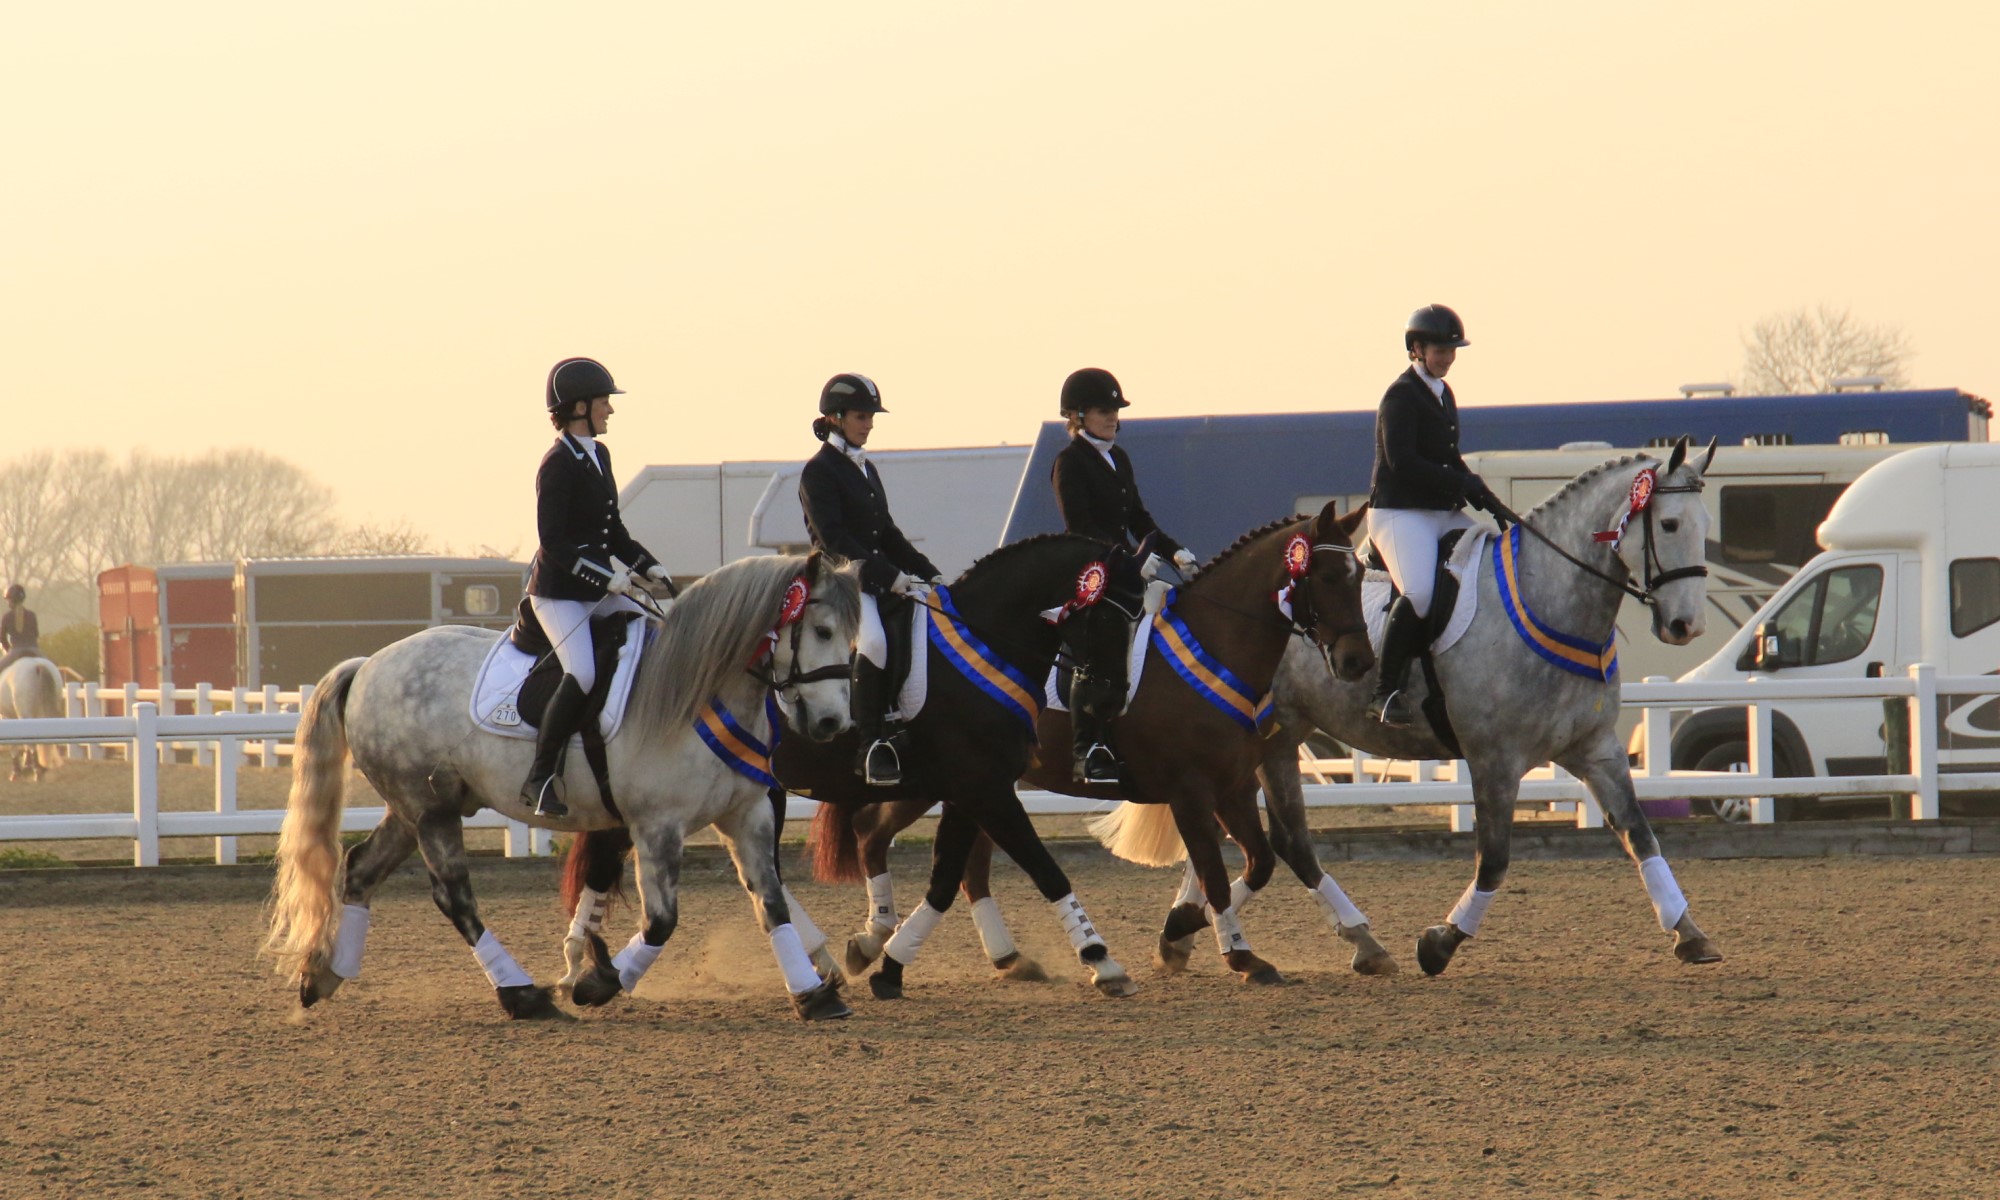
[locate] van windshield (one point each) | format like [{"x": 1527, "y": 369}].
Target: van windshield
[{"x": 1832, "y": 618}]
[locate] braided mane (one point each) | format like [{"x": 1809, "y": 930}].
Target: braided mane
[
  {"x": 1584, "y": 479},
  {"x": 1004, "y": 551},
  {"x": 1247, "y": 538}
]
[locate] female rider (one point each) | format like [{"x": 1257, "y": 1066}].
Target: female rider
[
  {"x": 574, "y": 575},
  {"x": 1420, "y": 487},
  {"x": 1099, "y": 498},
  {"x": 847, "y": 514}
]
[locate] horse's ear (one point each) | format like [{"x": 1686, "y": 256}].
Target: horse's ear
[
  {"x": 1708, "y": 460},
  {"x": 1354, "y": 521},
  {"x": 812, "y": 567},
  {"x": 1679, "y": 456}
]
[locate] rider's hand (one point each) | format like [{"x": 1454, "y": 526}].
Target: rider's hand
[
  {"x": 1150, "y": 569},
  {"x": 1184, "y": 560},
  {"x": 937, "y": 581},
  {"x": 907, "y": 584},
  {"x": 657, "y": 573},
  {"x": 620, "y": 583}
]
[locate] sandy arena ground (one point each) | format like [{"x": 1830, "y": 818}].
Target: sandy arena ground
[{"x": 1846, "y": 1047}]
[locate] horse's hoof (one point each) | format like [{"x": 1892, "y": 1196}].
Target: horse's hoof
[
  {"x": 884, "y": 987},
  {"x": 1252, "y": 969},
  {"x": 1019, "y": 968},
  {"x": 1370, "y": 956},
  {"x": 1171, "y": 958},
  {"x": 862, "y": 951},
  {"x": 1697, "y": 949},
  {"x": 1435, "y": 948},
  {"x": 1118, "y": 986},
  {"x": 822, "y": 1003},
  {"x": 1267, "y": 975},
  {"x": 595, "y": 988},
  {"x": 319, "y": 983},
  {"x": 526, "y": 1002}
]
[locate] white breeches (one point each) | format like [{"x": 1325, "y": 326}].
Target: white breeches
[
  {"x": 870, "y": 642},
  {"x": 567, "y": 624},
  {"x": 1408, "y": 540}
]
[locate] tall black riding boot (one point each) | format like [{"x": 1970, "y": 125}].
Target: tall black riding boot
[
  {"x": 1094, "y": 761},
  {"x": 1400, "y": 643},
  {"x": 560, "y": 721},
  {"x": 878, "y": 761}
]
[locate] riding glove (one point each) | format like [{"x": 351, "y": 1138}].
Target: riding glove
[
  {"x": 1184, "y": 559},
  {"x": 657, "y": 573},
  {"x": 907, "y": 584},
  {"x": 620, "y": 583}
]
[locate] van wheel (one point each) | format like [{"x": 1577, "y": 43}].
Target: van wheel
[{"x": 1734, "y": 755}]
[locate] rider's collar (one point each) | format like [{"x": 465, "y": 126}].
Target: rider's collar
[
  {"x": 854, "y": 453},
  {"x": 1431, "y": 381}
]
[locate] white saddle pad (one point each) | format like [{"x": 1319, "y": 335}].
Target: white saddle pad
[
  {"x": 916, "y": 685},
  {"x": 499, "y": 685},
  {"x": 1464, "y": 564},
  {"x": 1135, "y": 661}
]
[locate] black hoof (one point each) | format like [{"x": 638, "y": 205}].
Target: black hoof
[
  {"x": 822, "y": 1003},
  {"x": 1267, "y": 975},
  {"x": 1434, "y": 949},
  {"x": 884, "y": 987},
  {"x": 527, "y": 1002},
  {"x": 598, "y": 987},
  {"x": 308, "y": 994}
]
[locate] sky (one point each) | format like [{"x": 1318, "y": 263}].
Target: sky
[{"x": 358, "y": 235}]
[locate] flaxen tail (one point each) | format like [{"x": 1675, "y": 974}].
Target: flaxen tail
[
  {"x": 1140, "y": 833},
  {"x": 306, "y": 897}
]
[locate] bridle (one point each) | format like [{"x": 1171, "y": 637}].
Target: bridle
[
  {"x": 1304, "y": 615},
  {"x": 1654, "y": 573},
  {"x": 763, "y": 667}
]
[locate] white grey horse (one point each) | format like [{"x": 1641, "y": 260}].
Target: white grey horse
[
  {"x": 781, "y": 620},
  {"x": 32, "y": 687},
  {"x": 1510, "y": 706}
]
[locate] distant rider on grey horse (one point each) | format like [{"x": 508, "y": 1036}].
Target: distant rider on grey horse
[
  {"x": 847, "y": 514},
  {"x": 20, "y": 633},
  {"x": 573, "y": 578},
  {"x": 1418, "y": 492},
  {"x": 1099, "y": 498}
]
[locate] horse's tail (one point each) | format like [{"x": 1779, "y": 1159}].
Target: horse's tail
[
  {"x": 836, "y": 851},
  {"x": 305, "y": 897},
  {"x": 45, "y": 699},
  {"x": 1140, "y": 833},
  {"x": 585, "y": 850}
]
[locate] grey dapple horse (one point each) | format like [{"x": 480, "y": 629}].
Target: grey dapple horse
[
  {"x": 32, "y": 687},
  {"x": 1509, "y": 705},
  {"x": 405, "y": 714}
]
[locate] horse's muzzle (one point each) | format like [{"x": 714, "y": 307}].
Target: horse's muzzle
[{"x": 1351, "y": 657}]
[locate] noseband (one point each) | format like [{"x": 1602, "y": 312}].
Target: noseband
[{"x": 787, "y": 685}]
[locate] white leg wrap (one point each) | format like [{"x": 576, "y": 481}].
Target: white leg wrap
[
  {"x": 1335, "y": 904},
  {"x": 810, "y": 935},
  {"x": 909, "y": 936},
  {"x": 634, "y": 960},
  {"x": 1239, "y": 895},
  {"x": 1076, "y": 923},
  {"x": 589, "y": 918},
  {"x": 499, "y": 965},
  {"x": 1229, "y": 932},
  {"x": 881, "y": 902},
  {"x": 348, "y": 941},
  {"x": 793, "y": 961},
  {"x": 1471, "y": 909},
  {"x": 992, "y": 929},
  {"x": 1668, "y": 903},
  {"x": 1190, "y": 892}
]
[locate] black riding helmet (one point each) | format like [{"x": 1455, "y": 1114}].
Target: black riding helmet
[
  {"x": 17, "y": 592},
  {"x": 1435, "y": 324},
  {"x": 1092, "y": 387},
  {"x": 575, "y": 379},
  {"x": 848, "y": 392}
]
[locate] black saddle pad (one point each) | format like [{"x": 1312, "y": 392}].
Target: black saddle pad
[{"x": 607, "y": 638}]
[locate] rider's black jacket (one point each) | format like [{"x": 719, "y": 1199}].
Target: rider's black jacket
[
  {"x": 576, "y": 516},
  {"x": 847, "y": 513},
  {"x": 1417, "y": 462},
  {"x": 18, "y": 627},
  {"x": 1101, "y": 501}
]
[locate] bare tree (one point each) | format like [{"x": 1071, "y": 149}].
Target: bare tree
[
  {"x": 1805, "y": 351},
  {"x": 397, "y": 537}
]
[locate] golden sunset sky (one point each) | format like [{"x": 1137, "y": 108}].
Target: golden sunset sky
[{"x": 357, "y": 234}]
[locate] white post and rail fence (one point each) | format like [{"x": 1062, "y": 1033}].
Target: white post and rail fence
[{"x": 258, "y": 727}]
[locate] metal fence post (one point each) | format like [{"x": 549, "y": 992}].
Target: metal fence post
[
  {"x": 1924, "y": 742},
  {"x": 146, "y": 785}
]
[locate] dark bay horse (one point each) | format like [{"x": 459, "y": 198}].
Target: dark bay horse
[
  {"x": 994, "y": 635},
  {"x": 1190, "y": 735}
]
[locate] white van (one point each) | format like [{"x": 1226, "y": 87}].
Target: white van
[{"x": 1911, "y": 573}]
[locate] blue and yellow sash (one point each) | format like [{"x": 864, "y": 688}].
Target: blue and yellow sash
[
  {"x": 733, "y": 744},
  {"x": 1572, "y": 654},
  {"x": 989, "y": 672},
  {"x": 1204, "y": 673}
]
